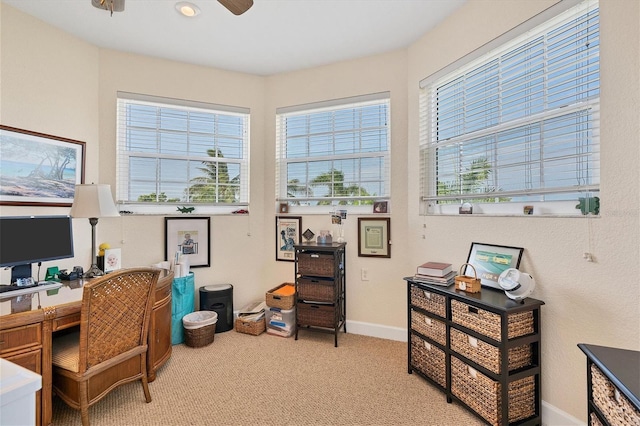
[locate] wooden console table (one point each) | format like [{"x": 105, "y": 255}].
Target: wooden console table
[{"x": 27, "y": 324}]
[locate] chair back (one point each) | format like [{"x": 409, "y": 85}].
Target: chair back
[{"x": 115, "y": 314}]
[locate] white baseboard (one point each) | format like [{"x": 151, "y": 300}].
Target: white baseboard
[{"x": 551, "y": 415}]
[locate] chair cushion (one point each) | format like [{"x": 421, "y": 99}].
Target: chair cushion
[{"x": 66, "y": 351}]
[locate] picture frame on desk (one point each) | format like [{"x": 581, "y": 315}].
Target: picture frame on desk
[
  {"x": 374, "y": 237},
  {"x": 46, "y": 167},
  {"x": 189, "y": 236},
  {"x": 490, "y": 260},
  {"x": 288, "y": 233}
]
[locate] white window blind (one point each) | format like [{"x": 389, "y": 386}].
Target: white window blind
[
  {"x": 175, "y": 152},
  {"x": 519, "y": 124},
  {"x": 335, "y": 152}
]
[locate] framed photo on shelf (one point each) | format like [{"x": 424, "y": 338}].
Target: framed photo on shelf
[
  {"x": 39, "y": 169},
  {"x": 190, "y": 237},
  {"x": 491, "y": 260},
  {"x": 288, "y": 233},
  {"x": 374, "y": 237}
]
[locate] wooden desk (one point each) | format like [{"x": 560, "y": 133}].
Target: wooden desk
[{"x": 27, "y": 324}]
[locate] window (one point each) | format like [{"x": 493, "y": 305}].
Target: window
[
  {"x": 334, "y": 152},
  {"x": 181, "y": 153},
  {"x": 518, "y": 125}
]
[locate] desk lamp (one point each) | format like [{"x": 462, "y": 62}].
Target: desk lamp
[{"x": 93, "y": 201}]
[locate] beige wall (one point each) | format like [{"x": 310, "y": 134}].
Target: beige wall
[{"x": 53, "y": 83}]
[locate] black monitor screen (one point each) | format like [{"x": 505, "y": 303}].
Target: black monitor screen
[{"x": 31, "y": 239}]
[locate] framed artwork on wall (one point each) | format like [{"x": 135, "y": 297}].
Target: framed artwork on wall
[
  {"x": 288, "y": 233},
  {"x": 491, "y": 260},
  {"x": 190, "y": 237},
  {"x": 374, "y": 237},
  {"x": 38, "y": 169}
]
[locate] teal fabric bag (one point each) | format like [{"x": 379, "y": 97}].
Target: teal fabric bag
[{"x": 182, "y": 303}]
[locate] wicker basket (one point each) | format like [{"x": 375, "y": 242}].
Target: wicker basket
[
  {"x": 428, "y": 359},
  {"x": 594, "y": 420},
  {"x": 432, "y": 302},
  {"x": 316, "y": 289},
  {"x": 614, "y": 406},
  {"x": 429, "y": 327},
  {"x": 316, "y": 315},
  {"x": 199, "y": 328},
  {"x": 282, "y": 301},
  {"x": 487, "y": 355},
  {"x": 482, "y": 394},
  {"x": 466, "y": 283},
  {"x": 489, "y": 324},
  {"x": 316, "y": 264},
  {"x": 250, "y": 327}
]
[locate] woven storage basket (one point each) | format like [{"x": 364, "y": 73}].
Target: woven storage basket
[
  {"x": 466, "y": 283},
  {"x": 432, "y": 302},
  {"x": 316, "y": 289},
  {"x": 482, "y": 394},
  {"x": 614, "y": 406},
  {"x": 488, "y": 355},
  {"x": 316, "y": 315},
  {"x": 250, "y": 327},
  {"x": 281, "y": 301},
  {"x": 199, "y": 328},
  {"x": 429, "y": 327},
  {"x": 488, "y": 324},
  {"x": 317, "y": 264},
  {"x": 594, "y": 420},
  {"x": 428, "y": 359}
]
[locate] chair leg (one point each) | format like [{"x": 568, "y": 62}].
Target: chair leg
[
  {"x": 84, "y": 402},
  {"x": 145, "y": 387}
]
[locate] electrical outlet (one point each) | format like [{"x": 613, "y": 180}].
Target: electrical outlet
[{"x": 364, "y": 274}]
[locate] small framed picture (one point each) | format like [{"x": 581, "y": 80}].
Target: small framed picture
[
  {"x": 374, "y": 237},
  {"x": 284, "y": 208},
  {"x": 380, "y": 207},
  {"x": 112, "y": 259},
  {"x": 288, "y": 233}
]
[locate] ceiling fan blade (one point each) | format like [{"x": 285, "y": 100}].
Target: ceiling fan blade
[
  {"x": 112, "y": 5},
  {"x": 237, "y": 7}
]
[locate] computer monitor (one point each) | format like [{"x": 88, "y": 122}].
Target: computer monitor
[{"x": 25, "y": 240}]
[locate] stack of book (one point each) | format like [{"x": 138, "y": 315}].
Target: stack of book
[{"x": 437, "y": 273}]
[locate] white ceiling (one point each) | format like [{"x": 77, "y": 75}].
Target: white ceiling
[{"x": 272, "y": 37}]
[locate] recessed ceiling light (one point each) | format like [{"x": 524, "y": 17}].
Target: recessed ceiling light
[{"x": 187, "y": 9}]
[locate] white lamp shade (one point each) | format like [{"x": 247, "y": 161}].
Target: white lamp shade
[{"x": 93, "y": 201}]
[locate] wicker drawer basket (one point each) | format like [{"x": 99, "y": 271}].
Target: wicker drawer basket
[
  {"x": 316, "y": 289},
  {"x": 489, "y": 324},
  {"x": 318, "y": 315},
  {"x": 482, "y": 394},
  {"x": 613, "y": 405},
  {"x": 432, "y": 302},
  {"x": 317, "y": 264},
  {"x": 250, "y": 327},
  {"x": 594, "y": 420},
  {"x": 429, "y": 327},
  {"x": 487, "y": 355},
  {"x": 428, "y": 359}
]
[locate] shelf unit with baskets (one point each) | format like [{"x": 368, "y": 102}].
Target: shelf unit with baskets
[
  {"x": 481, "y": 349},
  {"x": 320, "y": 278},
  {"x": 613, "y": 385}
]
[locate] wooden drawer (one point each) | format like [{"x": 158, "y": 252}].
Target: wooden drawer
[
  {"x": 429, "y": 327},
  {"x": 19, "y": 338},
  {"x": 66, "y": 321},
  {"x": 487, "y": 355},
  {"x": 31, "y": 360},
  {"x": 316, "y": 289},
  {"x": 318, "y": 315},
  {"x": 613, "y": 405},
  {"x": 162, "y": 293},
  {"x": 432, "y": 302},
  {"x": 488, "y": 323},
  {"x": 428, "y": 359}
]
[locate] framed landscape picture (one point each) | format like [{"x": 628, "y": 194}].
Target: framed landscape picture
[{"x": 38, "y": 169}]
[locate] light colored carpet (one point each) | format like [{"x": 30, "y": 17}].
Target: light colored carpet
[{"x": 268, "y": 380}]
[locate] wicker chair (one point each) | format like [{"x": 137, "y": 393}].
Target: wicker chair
[{"x": 111, "y": 346}]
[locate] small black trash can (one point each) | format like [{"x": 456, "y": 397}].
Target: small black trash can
[{"x": 218, "y": 298}]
